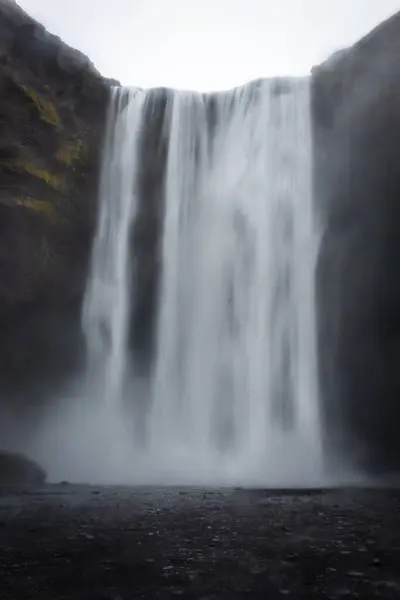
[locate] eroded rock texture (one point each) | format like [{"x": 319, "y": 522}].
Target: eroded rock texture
[
  {"x": 52, "y": 115},
  {"x": 357, "y": 150}
]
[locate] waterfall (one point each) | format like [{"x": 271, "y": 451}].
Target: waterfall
[
  {"x": 235, "y": 395},
  {"x": 101, "y": 432},
  {"x": 233, "y": 385},
  {"x": 106, "y": 305}
]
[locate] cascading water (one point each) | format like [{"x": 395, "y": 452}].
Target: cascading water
[
  {"x": 106, "y": 306},
  {"x": 235, "y": 394},
  {"x": 107, "y": 301},
  {"x": 233, "y": 386}
]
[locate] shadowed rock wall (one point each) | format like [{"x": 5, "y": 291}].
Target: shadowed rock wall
[
  {"x": 357, "y": 181},
  {"x": 52, "y": 115}
]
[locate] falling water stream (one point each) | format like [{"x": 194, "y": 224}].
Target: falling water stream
[
  {"x": 106, "y": 306},
  {"x": 233, "y": 386}
]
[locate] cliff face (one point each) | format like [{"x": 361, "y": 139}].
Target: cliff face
[
  {"x": 52, "y": 114},
  {"x": 357, "y": 181}
]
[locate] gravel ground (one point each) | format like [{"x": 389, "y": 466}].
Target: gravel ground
[{"x": 115, "y": 543}]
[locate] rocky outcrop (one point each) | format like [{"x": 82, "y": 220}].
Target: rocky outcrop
[
  {"x": 357, "y": 149},
  {"x": 52, "y": 114},
  {"x": 17, "y": 469}
]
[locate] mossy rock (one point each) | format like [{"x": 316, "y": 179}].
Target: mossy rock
[
  {"x": 42, "y": 207},
  {"x": 70, "y": 152},
  {"x": 54, "y": 180},
  {"x": 46, "y": 108},
  {"x": 53, "y": 112}
]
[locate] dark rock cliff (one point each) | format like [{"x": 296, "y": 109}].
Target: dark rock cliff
[
  {"x": 357, "y": 181},
  {"x": 52, "y": 114}
]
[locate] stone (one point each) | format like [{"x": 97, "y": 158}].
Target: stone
[
  {"x": 17, "y": 469},
  {"x": 356, "y": 119},
  {"x": 53, "y": 105}
]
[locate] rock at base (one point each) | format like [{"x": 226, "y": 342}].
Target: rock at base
[{"x": 17, "y": 469}]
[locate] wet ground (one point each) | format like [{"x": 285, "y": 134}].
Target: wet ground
[{"x": 75, "y": 543}]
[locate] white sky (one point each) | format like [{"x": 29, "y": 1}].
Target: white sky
[{"x": 207, "y": 44}]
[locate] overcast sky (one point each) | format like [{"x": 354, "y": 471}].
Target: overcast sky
[{"x": 207, "y": 44}]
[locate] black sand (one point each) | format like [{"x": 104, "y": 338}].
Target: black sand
[{"x": 75, "y": 543}]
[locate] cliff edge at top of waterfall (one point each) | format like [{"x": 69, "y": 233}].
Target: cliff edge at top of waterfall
[
  {"x": 363, "y": 71},
  {"x": 53, "y": 104}
]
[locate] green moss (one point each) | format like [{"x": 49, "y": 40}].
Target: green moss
[
  {"x": 43, "y": 207},
  {"x": 46, "y": 108},
  {"x": 47, "y": 111},
  {"x": 51, "y": 179},
  {"x": 70, "y": 152}
]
